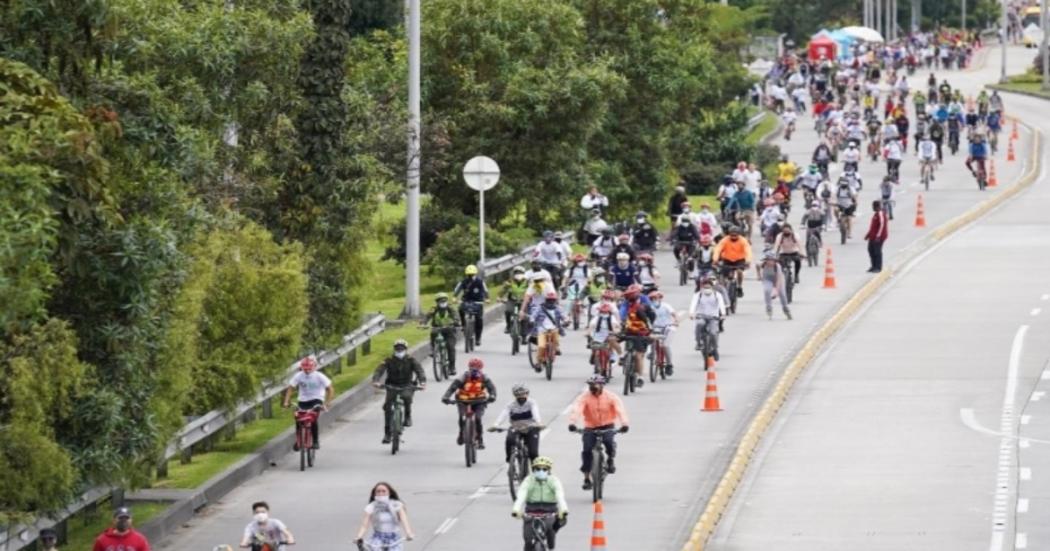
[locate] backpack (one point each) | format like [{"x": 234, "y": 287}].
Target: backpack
[{"x": 826, "y": 193}]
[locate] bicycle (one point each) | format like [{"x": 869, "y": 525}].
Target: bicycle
[
  {"x": 981, "y": 175},
  {"x": 993, "y": 142},
  {"x": 363, "y": 545},
  {"x": 471, "y": 434},
  {"x": 813, "y": 243},
  {"x": 658, "y": 355},
  {"x": 630, "y": 370},
  {"x": 600, "y": 358},
  {"x": 707, "y": 340},
  {"x": 439, "y": 357},
  {"x": 397, "y": 415},
  {"x": 304, "y": 436},
  {"x": 519, "y": 466},
  {"x": 536, "y": 537},
  {"x": 547, "y": 362},
  {"x": 598, "y": 466},
  {"x": 787, "y": 266},
  {"x": 685, "y": 261},
  {"x": 515, "y": 327},
  {"x": 470, "y": 314},
  {"x": 727, "y": 275},
  {"x": 953, "y": 142},
  {"x": 927, "y": 174},
  {"x": 575, "y": 295},
  {"x": 844, "y": 223},
  {"x": 263, "y": 546}
]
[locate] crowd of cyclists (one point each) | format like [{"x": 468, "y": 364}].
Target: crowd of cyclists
[{"x": 609, "y": 287}]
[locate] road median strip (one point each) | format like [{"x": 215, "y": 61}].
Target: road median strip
[{"x": 737, "y": 466}]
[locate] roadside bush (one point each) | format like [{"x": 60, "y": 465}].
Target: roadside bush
[
  {"x": 432, "y": 221},
  {"x": 766, "y": 157},
  {"x": 704, "y": 179},
  {"x": 458, "y": 247}
]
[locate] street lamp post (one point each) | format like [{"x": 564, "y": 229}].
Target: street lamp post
[
  {"x": 1045, "y": 14},
  {"x": 412, "y": 307},
  {"x": 481, "y": 174},
  {"x": 1004, "y": 22},
  {"x": 962, "y": 24}
]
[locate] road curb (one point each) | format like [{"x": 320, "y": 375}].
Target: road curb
[
  {"x": 182, "y": 511},
  {"x": 1002, "y": 88},
  {"x": 734, "y": 472}
]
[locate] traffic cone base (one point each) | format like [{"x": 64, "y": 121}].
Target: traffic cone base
[
  {"x": 710, "y": 363},
  {"x": 829, "y": 271},
  {"x": 920, "y": 214},
  {"x": 598, "y": 529},
  {"x": 992, "y": 179},
  {"x": 711, "y": 402},
  {"x": 1010, "y": 152}
]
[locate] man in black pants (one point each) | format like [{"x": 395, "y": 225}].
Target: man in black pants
[
  {"x": 405, "y": 373},
  {"x": 878, "y": 231}
]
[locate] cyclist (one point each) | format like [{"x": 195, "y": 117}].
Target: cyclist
[
  {"x": 474, "y": 386},
  {"x": 263, "y": 530},
  {"x": 995, "y": 125},
  {"x": 772, "y": 277},
  {"x": 536, "y": 269},
  {"x": 48, "y": 539},
  {"x": 851, "y": 157},
  {"x": 523, "y": 415},
  {"x": 648, "y": 275},
  {"x": 539, "y": 287},
  {"x": 402, "y": 375},
  {"x": 598, "y": 409},
  {"x": 121, "y": 535},
  {"x": 623, "y": 272},
  {"x": 954, "y": 124},
  {"x": 921, "y": 124},
  {"x": 734, "y": 252},
  {"x": 541, "y": 492},
  {"x": 604, "y": 327},
  {"x": 664, "y": 322},
  {"x": 707, "y": 307},
  {"x": 602, "y": 246},
  {"x": 577, "y": 278},
  {"x": 822, "y": 157},
  {"x": 387, "y": 516},
  {"x": 704, "y": 256},
  {"x": 595, "y": 226},
  {"x": 742, "y": 206},
  {"x": 685, "y": 236},
  {"x": 474, "y": 294},
  {"x": 887, "y": 193},
  {"x": 546, "y": 319},
  {"x": 971, "y": 119},
  {"x": 995, "y": 103},
  {"x": 315, "y": 390},
  {"x": 786, "y": 246},
  {"x": 937, "y": 137},
  {"x": 982, "y": 104},
  {"x": 551, "y": 255},
  {"x": 893, "y": 153},
  {"x": 636, "y": 315},
  {"x": 444, "y": 322},
  {"x": 978, "y": 153},
  {"x": 890, "y": 131},
  {"x": 789, "y": 116},
  {"x": 787, "y": 171},
  {"x": 846, "y": 201},
  {"x": 597, "y": 287},
  {"x": 512, "y": 293},
  {"x": 811, "y": 179},
  {"x": 927, "y": 150},
  {"x": 707, "y": 223},
  {"x": 674, "y": 204},
  {"x": 644, "y": 233},
  {"x": 623, "y": 245},
  {"x": 769, "y": 215}
]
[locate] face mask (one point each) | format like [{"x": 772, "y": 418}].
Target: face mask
[
  {"x": 540, "y": 474},
  {"x": 522, "y": 399},
  {"x": 123, "y": 525},
  {"x": 640, "y": 220},
  {"x": 261, "y": 517},
  {"x": 442, "y": 305},
  {"x": 401, "y": 353},
  {"x": 705, "y": 211},
  {"x": 383, "y": 499},
  {"x": 596, "y": 390},
  {"x": 475, "y": 373},
  {"x": 550, "y": 305},
  {"x": 581, "y": 263},
  {"x": 519, "y": 277},
  {"x": 656, "y": 303},
  {"x": 708, "y": 290}
]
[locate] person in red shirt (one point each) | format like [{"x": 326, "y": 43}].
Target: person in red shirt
[
  {"x": 878, "y": 231},
  {"x": 121, "y": 537}
]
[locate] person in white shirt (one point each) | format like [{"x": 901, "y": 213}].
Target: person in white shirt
[
  {"x": 707, "y": 308},
  {"x": 740, "y": 173},
  {"x": 801, "y": 97},
  {"x": 594, "y": 226},
  {"x": 893, "y": 153},
  {"x": 663, "y": 325},
  {"x": 522, "y": 414},
  {"x": 707, "y": 222},
  {"x": 789, "y": 117},
  {"x": 604, "y": 326},
  {"x": 594, "y": 200},
  {"x": 928, "y": 154},
  {"x": 753, "y": 178},
  {"x": 315, "y": 391},
  {"x": 769, "y": 215},
  {"x": 603, "y": 246}
]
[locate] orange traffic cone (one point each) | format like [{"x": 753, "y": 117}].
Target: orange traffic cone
[
  {"x": 1013, "y": 133},
  {"x": 1010, "y": 152},
  {"x": 598, "y": 529},
  {"x": 992, "y": 179},
  {"x": 711, "y": 402},
  {"x": 829, "y": 272},
  {"x": 920, "y": 214},
  {"x": 710, "y": 363}
]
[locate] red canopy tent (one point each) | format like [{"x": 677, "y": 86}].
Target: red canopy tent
[{"x": 822, "y": 45}]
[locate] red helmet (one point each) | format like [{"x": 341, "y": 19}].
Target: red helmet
[
  {"x": 608, "y": 294},
  {"x": 767, "y": 202},
  {"x": 605, "y": 308},
  {"x": 646, "y": 257},
  {"x": 705, "y": 239},
  {"x": 578, "y": 257},
  {"x": 633, "y": 292},
  {"x": 656, "y": 295},
  {"x": 551, "y": 295},
  {"x": 308, "y": 363},
  {"x": 475, "y": 363},
  {"x": 624, "y": 237}
]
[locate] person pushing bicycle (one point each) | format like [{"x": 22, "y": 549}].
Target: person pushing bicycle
[
  {"x": 403, "y": 374},
  {"x": 597, "y": 409}
]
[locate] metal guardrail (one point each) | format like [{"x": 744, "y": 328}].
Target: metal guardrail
[
  {"x": 206, "y": 425},
  {"x": 196, "y": 431},
  {"x": 507, "y": 262},
  {"x": 753, "y": 121}
]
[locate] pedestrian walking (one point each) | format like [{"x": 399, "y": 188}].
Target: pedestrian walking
[
  {"x": 121, "y": 536},
  {"x": 878, "y": 231}
]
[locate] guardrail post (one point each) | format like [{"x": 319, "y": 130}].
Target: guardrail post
[
  {"x": 267, "y": 408},
  {"x": 336, "y": 367},
  {"x": 186, "y": 456},
  {"x": 162, "y": 468},
  {"x": 366, "y": 347},
  {"x": 62, "y": 530},
  {"x": 351, "y": 358},
  {"x": 116, "y": 497}
]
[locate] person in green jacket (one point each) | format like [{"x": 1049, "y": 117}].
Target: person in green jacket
[
  {"x": 443, "y": 320},
  {"x": 511, "y": 293},
  {"x": 541, "y": 493}
]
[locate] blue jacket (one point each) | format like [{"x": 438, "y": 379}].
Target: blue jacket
[
  {"x": 742, "y": 200},
  {"x": 622, "y": 277},
  {"x": 994, "y": 124},
  {"x": 978, "y": 150}
]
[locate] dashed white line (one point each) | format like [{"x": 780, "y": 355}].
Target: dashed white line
[
  {"x": 1025, "y": 419},
  {"x": 1035, "y": 311},
  {"x": 1044, "y": 297},
  {"x": 445, "y": 526},
  {"x": 1022, "y": 505},
  {"x": 1002, "y": 490},
  {"x": 1022, "y": 541},
  {"x": 479, "y": 492},
  {"x": 1024, "y": 443},
  {"x": 1026, "y": 473},
  {"x": 1038, "y": 395}
]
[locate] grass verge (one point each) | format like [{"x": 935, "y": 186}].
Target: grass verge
[
  {"x": 764, "y": 126},
  {"x": 85, "y": 526},
  {"x": 1023, "y": 85}
]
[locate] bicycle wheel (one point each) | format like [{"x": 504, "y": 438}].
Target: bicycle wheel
[
  {"x": 812, "y": 252},
  {"x": 597, "y": 471},
  {"x": 512, "y": 473},
  {"x": 628, "y": 379},
  {"x": 843, "y": 230},
  {"x": 310, "y": 454},
  {"x": 436, "y": 357},
  {"x": 468, "y": 334},
  {"x": 683, "y": 273},
  {"x": 575, "y": 315},
  {"x": 396, "y": 424},
  {"x": 548, "y": 363},
  {"x": 654, "y": 364},
  {"x": 732, "y": 295},
  {"x": 468, "y": 441},
  {"x": 531, "y": 352},
  {"x": 515, "y": 343},
  {"x": 303, "y": 439}
]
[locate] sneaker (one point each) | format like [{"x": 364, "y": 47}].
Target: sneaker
[
  {"x": 295, "y": 447},
  {"x": 669, "y": 370},
  {"x": 408, "y": 422},
  {"x": 740, "y": 292},
  {"x": 459, "y": 440},
  {"x": 386, "y": 439},
  {"x": 506, "y": 330},
  {"x": 697, "y": 347},
  {"x": 787, "y": 313},
  {"x": 610, "y": 467},
  {"x": 715, "y": 355},
  {"x": 481, "y": 444},
  {"x": 537, "y": 369},
  {"x": 557, "y": 352},
  {"x": 639, "y": 383},
  {"x": 317, "y": 445},
  {"x": 587, "y": 484}
]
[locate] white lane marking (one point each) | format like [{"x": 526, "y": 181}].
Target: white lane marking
[
  {"x": 966, "y": 415},
  {"x": 1002, "y": 488},
  {"x": 1044, "y": 297},
  {"x": 445, "y": 526},
  {"x": 479, "y": 492},
  {"x": 1022, "y": 505},
  {"x": 1035, "y": 311},
  {"x": 1045, "y": 374},
  {"x": 1025, "y": 419},
  {"x": 1022, "y": 541},
  {"x": 1024, "y": 443},
  {"x": 1026, "y": 473},
  {"x": 1038, "y": 395}
]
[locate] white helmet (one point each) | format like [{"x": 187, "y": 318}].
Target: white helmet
[{"x": 623, "y": 256}]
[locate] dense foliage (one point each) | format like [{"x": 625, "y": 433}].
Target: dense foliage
[{"x": 186, "y": 188}]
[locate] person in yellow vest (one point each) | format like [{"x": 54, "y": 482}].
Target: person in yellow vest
[
  {"x": 475, "y": 388},
  {"x": 541, "y": 493}
]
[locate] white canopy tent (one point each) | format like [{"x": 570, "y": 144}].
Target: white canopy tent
[{"x": 867, "y": 34}]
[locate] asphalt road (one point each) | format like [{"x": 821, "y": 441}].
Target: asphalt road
[
  {"x": 925, "y": 425},
  {"x": 667, "y": 463}
]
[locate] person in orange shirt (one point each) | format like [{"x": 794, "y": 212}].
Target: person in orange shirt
[
  {"x": 734, "y": 252},
  {"x": 600, "y": 411}
]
